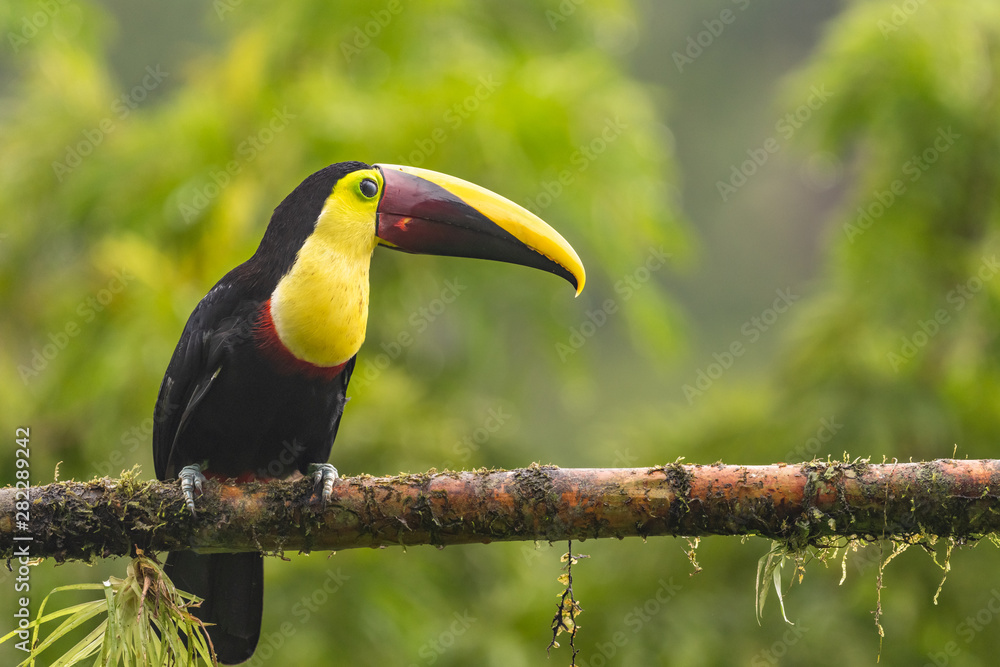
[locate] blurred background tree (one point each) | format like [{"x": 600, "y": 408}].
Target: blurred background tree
[{"x": 839, "y": 182}]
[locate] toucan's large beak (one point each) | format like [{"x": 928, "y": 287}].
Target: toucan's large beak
[{"x": 422, "y": 211}]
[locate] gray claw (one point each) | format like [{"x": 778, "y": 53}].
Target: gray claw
[
  {"x": 324, "y": 475},
  {"x": 191, "y": 479}
]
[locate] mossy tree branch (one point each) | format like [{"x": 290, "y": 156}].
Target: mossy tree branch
[{"x": 800, "y": 503}]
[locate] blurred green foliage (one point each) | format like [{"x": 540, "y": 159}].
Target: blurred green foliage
[{"x": 130, "y": 185}]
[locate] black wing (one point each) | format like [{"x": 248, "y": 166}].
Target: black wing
[
  {"x": 197, "y": 362},
  {"x": 341, "y": 401}
]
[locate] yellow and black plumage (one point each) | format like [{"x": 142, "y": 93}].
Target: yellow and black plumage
[{"x": 257, "y": 384}]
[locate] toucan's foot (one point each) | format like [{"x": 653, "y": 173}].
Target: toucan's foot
[
  {"x": 323, "y": 475},
  {"x": 191, "y": 479}
]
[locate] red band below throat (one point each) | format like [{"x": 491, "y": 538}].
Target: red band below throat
[{"x": 267, "y": 341}]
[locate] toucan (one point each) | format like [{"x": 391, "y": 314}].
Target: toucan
[{"x": 257, "y": 383}]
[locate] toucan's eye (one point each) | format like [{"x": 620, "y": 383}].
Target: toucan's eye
[{"x": 369, "y": 188}]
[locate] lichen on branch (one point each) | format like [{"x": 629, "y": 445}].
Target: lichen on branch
[{"x": 799, "y": 504}]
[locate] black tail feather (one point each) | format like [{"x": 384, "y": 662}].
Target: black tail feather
[{"x": 232, "y": 585}]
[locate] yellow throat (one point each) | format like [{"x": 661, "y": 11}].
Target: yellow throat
[{"x": 320, "y": 307}]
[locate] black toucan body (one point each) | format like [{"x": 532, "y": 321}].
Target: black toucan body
[{"x": 257, "y": 384}]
